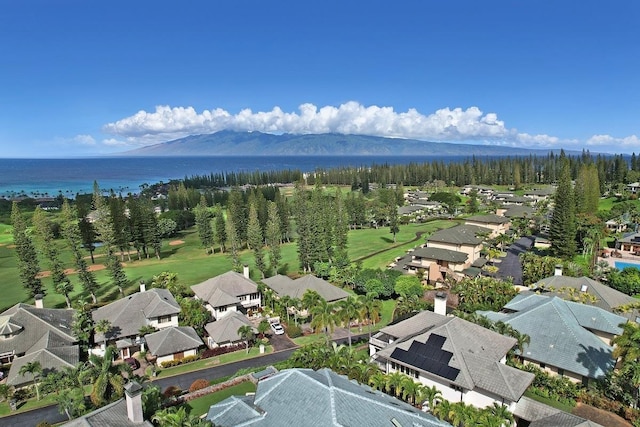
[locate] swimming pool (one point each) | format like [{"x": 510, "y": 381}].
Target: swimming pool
[{"x": 622, "y": 265}]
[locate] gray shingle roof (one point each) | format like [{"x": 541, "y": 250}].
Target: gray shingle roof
[
  {"x": 225, "y": 330},
  {"x": 283, "y": 285},
  {"x": 224, "y": 289},
  {"x": 607, "y": 298},
  {"x": 487, "y": 219},
  {"x": 440, "y": 254},
  {"x": 541, "y": 415},
  {"x": 111, "y": 415},
  {"x": 50, "y": 360},
  {"x": 173, "y": 340},
  {"x": 303, "y": 397},
  {"x": 459, "y": 235},
  {"x": 519, "y": 212},
  {"x": 477, "y": 352},
  {"x": 36, "y": 322},
  {"x": 127, "y": 315},
  {"x": 558, "y": 333}
]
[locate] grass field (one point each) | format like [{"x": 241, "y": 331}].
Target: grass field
[
  {"x": 5, "y": 234},
  {"x": 201, "y": 405},
  {"x": 184, "y": 256}
]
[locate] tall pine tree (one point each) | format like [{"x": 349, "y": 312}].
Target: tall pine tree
[
  {"x": 49, "y": 249},
  {"x": 25, "y": 250},
  {"x": 203, "y": 224},
  {"x": 255, "y": 239},
  {"x": 562, "y": 231},
  {"x": 71, "y": 233},
  {"x": 273, "y": 237}
]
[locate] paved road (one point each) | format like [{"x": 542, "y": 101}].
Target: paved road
[
  {"x": 510, "y": 266},
  {"x": 51, "y": 414}
]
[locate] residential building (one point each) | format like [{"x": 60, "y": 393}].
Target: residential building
[
  {"x": 437, "y": 263},
  {"x": 284, "y": 285},
  {"x": 497, "y": 224},
  {"x": 461, "y": 238},
  {"x": 586, "y": 290},
  {"x": 615, "y": 226},
  {"x": 173, "y": 343},
  {"x": 36, "y": 334},
  {"x": 229, "y": 292},
  {"x": 633, "y": 188},
  {"x": 126, "y": 412},
  {"x": 304, "y": 397},
  {"x": 566, "y": 338},
  {"x": 224, "y": 332},
  {"x": 153, "y": 307},
  {"x": 630, "y": 242},
  {"x": 464, "y": 361},
  {"x": 537, "y": 414},
  {"x": 540, "y": 194}
]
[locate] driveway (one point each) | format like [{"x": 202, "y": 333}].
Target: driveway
[
  {"x": 281, "y": 342},
  {"x": 510, "y": 266}
]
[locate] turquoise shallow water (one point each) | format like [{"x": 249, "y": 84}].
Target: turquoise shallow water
[{"x": 50, "y": 177}]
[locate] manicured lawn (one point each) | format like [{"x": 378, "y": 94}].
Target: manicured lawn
[
  {"x": 201, "y": 405},
  {"x": 6, "y": 236},
  {"x": 551, "y": 402},
  {"x": 184, "y": 256},
  {"x": 212, "y": 361},
  {"x": 610, "y": 202}
]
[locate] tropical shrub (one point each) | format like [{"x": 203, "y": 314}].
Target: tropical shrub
[{"x": 198, "y": 385}]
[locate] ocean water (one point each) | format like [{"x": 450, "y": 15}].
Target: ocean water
[{"x": 50, "y": 177}]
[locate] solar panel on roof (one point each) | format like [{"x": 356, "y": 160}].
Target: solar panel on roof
[{"x": 428, "y": 356}]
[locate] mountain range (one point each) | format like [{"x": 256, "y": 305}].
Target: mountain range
[{"x": 232, "y": 143}]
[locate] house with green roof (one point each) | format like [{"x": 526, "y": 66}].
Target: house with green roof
[
  {"x": 437, "y": 263},
  {"x": 497, "y": 224},
  {"x": 464, "y": 361},
  {"x": 566, "y": 338},
  {"x": 304, "y": 397},
  {"x": 461, "y": 238}
]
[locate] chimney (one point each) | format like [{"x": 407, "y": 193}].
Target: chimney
[
  {"x": 38, "y": 300},
  {"x": 558, "y": 270},
  {"x": 246, "y": 271},
  {"x": 143, "y": 286},
  {"x": 133, "y": 394},
  {"x": 440, "y": 303}
]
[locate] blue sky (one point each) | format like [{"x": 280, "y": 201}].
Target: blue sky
[{"x": 84, "y": 78}]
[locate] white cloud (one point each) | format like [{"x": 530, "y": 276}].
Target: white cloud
[
  {"x": 84, "y": 139},
  {"x": 350, "y": 118},
  {"x": 446, "y": 124},
  {"x": 608, "y": 140}
]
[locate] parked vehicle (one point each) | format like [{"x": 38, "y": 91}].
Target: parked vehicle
[{"x": 277, "y": 328}]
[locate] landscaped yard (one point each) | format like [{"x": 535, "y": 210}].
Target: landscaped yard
[{"x": 201, "y": 405}]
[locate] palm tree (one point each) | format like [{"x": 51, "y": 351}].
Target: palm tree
[
  {"x": 263, "y": 327},
  {"x": 172, "y": 417},
  {"x": 107, "y": 379},
  {"x": 627, "y": 344},
  {"x": 378, "y": 381},
  {"x": 323, "y": 317},
  {"x": 246, "y": 333},
  {"x": 103, "y": 327},
  {"x": 461, "y": 414},
  {"x": 348, "y": 310},
  {"x": 410, "y": 390},
  {"x": 35, "y": 369},
  {"x": 501, "y": 412},
  {"x": 370, "y": 308},
  {"x": 432, "y": 396},
  {"x": 395, "y": 382},
  {"x": 310, "y": 299},
  {"x": 443, "y": 410}
]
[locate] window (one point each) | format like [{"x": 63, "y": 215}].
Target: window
[
  {"x": 542, "y": 366},
  {"x": 222, "y": 309},
  {"x": 242, "y": 297},
  {"x": 561, "y": 372},
  {"x": 164, "y": 319}
]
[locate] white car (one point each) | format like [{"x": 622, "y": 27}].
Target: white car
[{"x": 277, "y": 328}]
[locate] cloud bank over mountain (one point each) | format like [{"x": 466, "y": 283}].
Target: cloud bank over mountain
[{"x": 446, "y": 125}]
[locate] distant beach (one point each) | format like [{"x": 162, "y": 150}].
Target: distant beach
[{"x": 51, "y": 177}]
